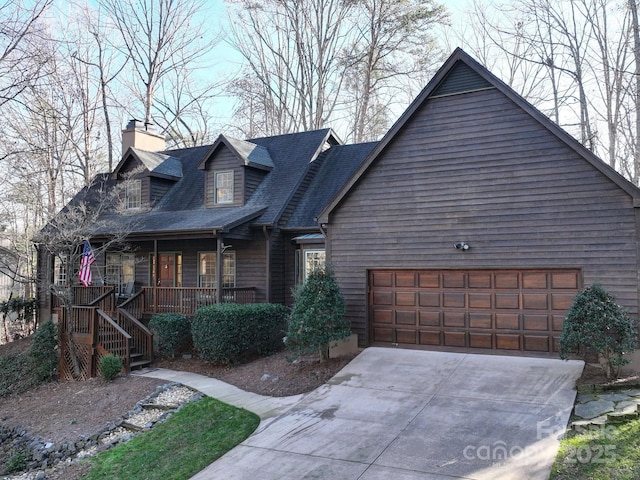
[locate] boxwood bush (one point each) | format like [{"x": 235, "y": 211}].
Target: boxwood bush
[
  {"x": 172, "y": 332},
  {"x": 231, "y": 333}
]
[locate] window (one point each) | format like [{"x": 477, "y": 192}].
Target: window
[
  {"x": 60, "y": 270},
  {"x": 313, "y": 259},
  {"x": 133, "y": 194},
  {"x": 207, "y": 270},
  {"x": 223, "y": 187},
  {"x": 120, "y": 269}
]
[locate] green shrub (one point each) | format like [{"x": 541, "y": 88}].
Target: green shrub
[
  {"x": 318, "y": 314},
  {"x": 228, "y": 333},
  {"x": 596, "y": 324},
  {"x": 42, "y": 354},
  {"x": 14, "y": 374},
  {"x": 18, "y": 460},
  {"x": 110, "y": 367},
  {"x": 172, "y": 331}
]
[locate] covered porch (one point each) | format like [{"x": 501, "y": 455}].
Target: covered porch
[{"x": 152, "y": 300}]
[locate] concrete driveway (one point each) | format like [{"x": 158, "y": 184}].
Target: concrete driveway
[{"x": 407, "y": 415}]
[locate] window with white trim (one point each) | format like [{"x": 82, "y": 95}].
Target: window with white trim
[
  {"x": 223, "y": 187},
  {"x": 207, "y": 270},
  {"x": 313, "y": 259},
  {"x": 133, "y": 194},
  {"x": 60, "y": 270},
  {"x": 119, "y": 269}
]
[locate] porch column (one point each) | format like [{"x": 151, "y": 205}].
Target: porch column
[
  {"x": 267, "y": 239},
  {"x": 219, "y": 247}
]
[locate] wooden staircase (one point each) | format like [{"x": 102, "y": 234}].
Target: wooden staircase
[{"x": 98, "y": 328}]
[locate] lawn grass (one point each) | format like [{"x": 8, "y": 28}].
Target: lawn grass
[
  {"x": 177, "y": 449},
  {"x": 610, "y": 452}
]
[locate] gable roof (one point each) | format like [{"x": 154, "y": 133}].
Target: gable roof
[
  {"x": 250, "y": 154},
  {"x": 157, "y": 164},
  {"x": 462, "y": 74}
]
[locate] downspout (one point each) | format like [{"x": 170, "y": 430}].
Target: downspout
[
  {"x": 267, "y": 239},
  {"x": 219, "y": 270}
]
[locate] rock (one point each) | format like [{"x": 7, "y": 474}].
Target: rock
[
  {"x": 594, "y": 409},
  {"x": 627, "y": 407},
  {"x": 613, "y": 397},
  {"x": 265, "y": 377}
]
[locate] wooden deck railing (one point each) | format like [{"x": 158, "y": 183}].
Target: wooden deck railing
[
  {"x": 106, "y": 301},
  {"x": 95, "y": 334},
  {"x": 141, "y": 336},
  {"x": 188, "y": 300},
  {"x": 88, "y": 295},
  {"x": 111, "y": 339}
]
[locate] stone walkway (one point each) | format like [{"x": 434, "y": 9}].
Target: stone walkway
[{"x": 600, "y": 408}]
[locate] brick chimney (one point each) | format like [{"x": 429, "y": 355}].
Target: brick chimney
[{"x": 143, "y": 136}]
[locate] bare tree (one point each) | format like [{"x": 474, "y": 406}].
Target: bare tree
[
  {"x": 635, "y": 136},
  {"x": 294, "y": 50},
  {"x": 393, "y": 39},
  {"x": 160, "y": 37},
  {"x": 96, "y": 211},
  {"x": 185, "y": 107},
  {"x": 19, "y": 27}
]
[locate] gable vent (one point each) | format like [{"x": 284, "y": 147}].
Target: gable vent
[{"x": 460, "y": 79}]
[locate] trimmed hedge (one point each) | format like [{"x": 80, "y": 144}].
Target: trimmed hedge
[
  {"x": 231, "y": 333},
  {"x": 172, "y": 331}
]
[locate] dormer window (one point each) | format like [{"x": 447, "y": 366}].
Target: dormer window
[
  {"x": 133, "y": 194},
  {"x": 223, "y": 187}
]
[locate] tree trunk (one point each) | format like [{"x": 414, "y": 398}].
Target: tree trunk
[{"x": 636, "y": 55}]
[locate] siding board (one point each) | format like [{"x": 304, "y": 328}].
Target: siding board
[{"x": 476, "y": 167}]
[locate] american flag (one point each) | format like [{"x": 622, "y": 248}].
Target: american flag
[{"x": 85, "y": 264}]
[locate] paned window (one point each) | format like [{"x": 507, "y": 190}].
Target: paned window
[
  {"x": 207, "y": 270},
  {"x": 120, "y": 269},
  {"x": 60, "y": 270},
  {"x": 313, "y": 259},
  {"x": 133, "y": 194},
  {"x": 224, "y": 187}
]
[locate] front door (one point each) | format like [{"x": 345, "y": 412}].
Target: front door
[{"x": 167, "y": 274}]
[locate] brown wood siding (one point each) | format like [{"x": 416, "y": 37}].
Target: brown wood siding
[
  {"x": 277, "y": 267},
  {"x": 253, "y": 177},
  {"x": 158, "y": 187},
  {"x": 477, "y": 168},
  {"x": 224, "y": 160}
]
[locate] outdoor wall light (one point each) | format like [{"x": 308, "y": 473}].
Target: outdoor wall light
[{"x": 461, "y": 246}]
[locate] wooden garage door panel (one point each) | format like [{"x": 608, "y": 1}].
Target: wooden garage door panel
[
  {"x": 406, "y": 317},
  {"x": 479, "y": 309},
  {"x": 406, "y": 279},
  {"x": 382, "y": 297},
  {"x": 381, "y": 279},
  {"x": 429, "y": 299},
  {"x": 430, "y": 318},
  {"x": 406, "y": 299}
]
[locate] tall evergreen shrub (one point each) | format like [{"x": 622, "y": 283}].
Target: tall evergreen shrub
[
  {"x": 318, "y": 314},
  {"x": 596, "y": 324}
]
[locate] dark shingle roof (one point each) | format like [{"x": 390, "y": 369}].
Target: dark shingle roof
[
  {"x": 337, "y": 165},
  {"x": 287, "y": 158},
  {"x": 159, "y": 163}
]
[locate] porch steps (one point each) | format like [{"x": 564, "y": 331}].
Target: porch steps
[{"x": 137, "y": 361}]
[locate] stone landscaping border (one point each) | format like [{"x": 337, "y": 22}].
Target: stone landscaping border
[
  {"x": 598, "y": 405},
  {"x": 40, "y": 455}
]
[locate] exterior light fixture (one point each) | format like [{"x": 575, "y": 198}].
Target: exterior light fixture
[{"x": 461, "y": 246}]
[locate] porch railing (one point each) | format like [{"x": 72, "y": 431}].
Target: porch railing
[
  {"x": 141, "y": 337},
  {"x": 188, "y": 300},
  {"x": 95, "y": 334}
]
